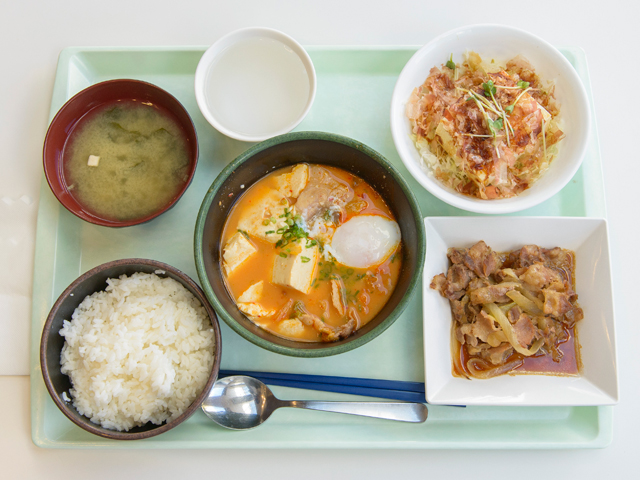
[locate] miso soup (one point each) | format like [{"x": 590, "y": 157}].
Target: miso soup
[{"x": 126, "y": 161}]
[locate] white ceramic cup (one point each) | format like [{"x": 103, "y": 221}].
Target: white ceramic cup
[{"x": 255, "y": 83}]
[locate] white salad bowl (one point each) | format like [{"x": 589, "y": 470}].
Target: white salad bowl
[
  {"x": 500, "y": 43},
  {"x": 597, "y": 384}
]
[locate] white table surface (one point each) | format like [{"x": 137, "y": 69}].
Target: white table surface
[{"x": 33, "y": 32}]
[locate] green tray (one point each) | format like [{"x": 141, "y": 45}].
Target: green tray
[{"x": 353, "y": 99}]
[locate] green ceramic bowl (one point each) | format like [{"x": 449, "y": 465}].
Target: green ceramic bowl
[{"x": 279, "y": 152}]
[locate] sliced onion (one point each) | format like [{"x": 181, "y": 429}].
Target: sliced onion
[
  {"x": 532, "y": 297},
  {"x": 527, "y": 305},
  {"x": 493, "y": 310},
  {"x": 456, "y": 347},
  {"x": 507, "y": 306},
  {"x": 492, "y": 372},
  {"x": 496, "y": 338},
  {"x": 508, "y": 272}
]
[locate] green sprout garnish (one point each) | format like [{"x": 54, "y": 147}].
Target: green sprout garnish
[
  {"x": 450, "y": 64},
  {"x": 489, "y": 88},
  {"x": 495, "y": 125}
]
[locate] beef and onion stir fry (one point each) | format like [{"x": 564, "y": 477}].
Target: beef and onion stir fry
[{"x": 512, "y": 312}]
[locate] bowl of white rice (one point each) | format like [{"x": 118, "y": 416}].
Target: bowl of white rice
[{"x": 130, "y": 349}]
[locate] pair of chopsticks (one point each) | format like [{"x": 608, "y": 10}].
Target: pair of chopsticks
[{"x": 389, "y": 389}]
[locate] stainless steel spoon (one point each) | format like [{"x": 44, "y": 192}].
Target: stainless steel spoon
[{"x": 241, "y": 402}]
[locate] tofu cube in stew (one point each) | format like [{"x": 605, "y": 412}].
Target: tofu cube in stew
[
  {"x": 253, "y": 293},
  {"x": 237, "y": 250},
  {"x": 295, "y": 267},
  {"x": 254, "y": 310},
  {"x": 265, "y": 216},
  {"x": 291, "y": 184}
]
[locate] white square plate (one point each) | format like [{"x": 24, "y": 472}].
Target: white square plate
[{"x": 588, "y": 238}]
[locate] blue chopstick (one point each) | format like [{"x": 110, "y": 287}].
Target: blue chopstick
[
  {"x": 351, "y": 390},
  {"x": 369, "y": 387},
  {"x": 328, "y": 379},
  {"x": 405, "y": 391}
]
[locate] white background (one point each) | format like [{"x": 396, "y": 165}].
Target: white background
[{"x": 32, "y": 33}]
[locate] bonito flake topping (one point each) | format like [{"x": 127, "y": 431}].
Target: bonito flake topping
[{"x": 485, "y": 130}]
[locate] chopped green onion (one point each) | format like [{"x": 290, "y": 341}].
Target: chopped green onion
[
  {"x": 305, "y": 259},
  {"x": 283, "y": 255}
]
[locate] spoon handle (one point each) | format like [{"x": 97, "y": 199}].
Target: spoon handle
[{"x": 401, "y": 411}]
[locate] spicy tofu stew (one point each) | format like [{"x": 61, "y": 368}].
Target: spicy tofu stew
[{"x": 311, "y": 253}]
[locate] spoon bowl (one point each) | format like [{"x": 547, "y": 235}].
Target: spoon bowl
[{"x": 240, "y": 402}]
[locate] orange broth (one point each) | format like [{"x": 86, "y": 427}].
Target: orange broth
[{"x": 368, "y": 289}]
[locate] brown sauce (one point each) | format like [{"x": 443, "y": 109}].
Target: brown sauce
[{"x": 569, "y": 364}]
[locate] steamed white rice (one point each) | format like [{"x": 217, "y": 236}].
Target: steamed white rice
[{"x": 139, "y": 352}]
